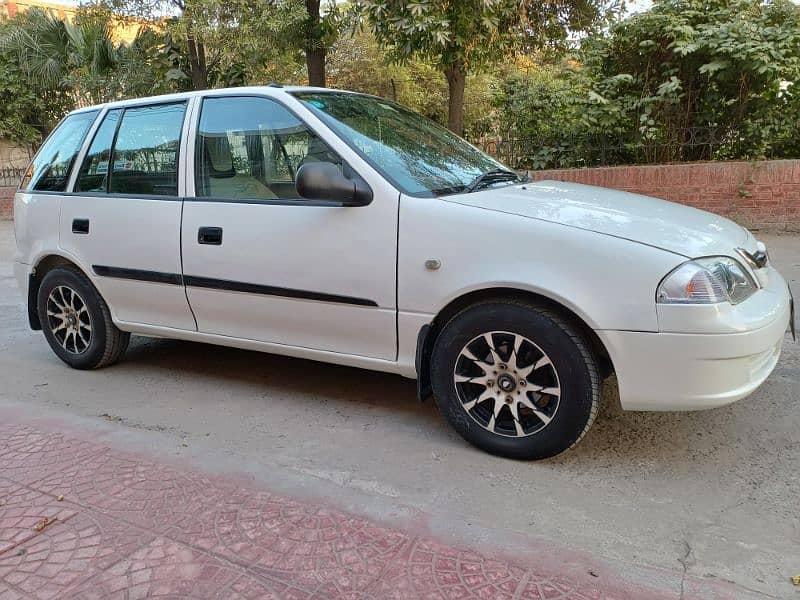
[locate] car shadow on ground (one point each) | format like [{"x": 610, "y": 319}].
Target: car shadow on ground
[{"x": 654, "y": 441}]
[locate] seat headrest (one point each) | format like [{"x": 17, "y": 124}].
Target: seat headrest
[{"x": 217, "y": 156}]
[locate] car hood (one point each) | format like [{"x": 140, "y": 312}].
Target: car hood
[{"x": 674, "y": 227}]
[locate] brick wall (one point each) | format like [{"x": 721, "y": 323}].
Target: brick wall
[
  {"x": 759, "y": 195},
  {"x": 6, "y": 203}
]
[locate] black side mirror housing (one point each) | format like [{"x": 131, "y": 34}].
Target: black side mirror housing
[{"x": 324, "y": 181}]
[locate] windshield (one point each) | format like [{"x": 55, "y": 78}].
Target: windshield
[{"x": 414, "y": 153}]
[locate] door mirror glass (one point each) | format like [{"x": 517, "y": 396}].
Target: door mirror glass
[{"x": 325, "y": 181}]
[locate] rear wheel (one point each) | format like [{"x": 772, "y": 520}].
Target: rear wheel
[
  {"x": 76, "y": 321},
  {"x": 516, "y": 380}
]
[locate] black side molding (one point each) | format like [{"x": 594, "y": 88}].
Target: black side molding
[
  {"x": 268, "y": 290},
  {"x": 224, "y": 284},
  {"x": 138, "y": 275}
]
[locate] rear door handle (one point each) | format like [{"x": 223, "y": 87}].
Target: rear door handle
[
  {"x": 80, "y": 226},
  {"x": 210, "y": 235}
]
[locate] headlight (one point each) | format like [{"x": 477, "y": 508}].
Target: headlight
[{"x": 706, "y": 281}]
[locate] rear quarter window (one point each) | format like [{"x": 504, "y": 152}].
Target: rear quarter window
[{"x": 50, "y": 168}]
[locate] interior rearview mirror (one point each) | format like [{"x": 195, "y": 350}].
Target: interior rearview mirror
[{"x": 324, "y": 181}]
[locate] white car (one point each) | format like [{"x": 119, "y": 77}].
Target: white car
[{"x": 344, "y": 228}]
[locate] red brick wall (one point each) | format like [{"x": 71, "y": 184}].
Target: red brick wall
[
  {"x": 762, "y": 194},
  {"x": 7, "y": 203}
]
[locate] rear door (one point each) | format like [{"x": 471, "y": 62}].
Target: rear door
[
  {"x": 122, "y": 219},
  {"x": 260, "y": 262}
]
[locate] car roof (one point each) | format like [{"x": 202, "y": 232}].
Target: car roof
[{"x": 265, "y": 90}]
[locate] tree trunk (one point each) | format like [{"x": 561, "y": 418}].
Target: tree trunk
[
  {"x": 315, "y": 51},
  {"x": 197, "y": 62},
  {"x": 315, "y": 62},
  {"x": 456, "y": 80}
]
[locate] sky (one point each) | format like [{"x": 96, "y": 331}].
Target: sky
[{"x": 635, "y": 6}]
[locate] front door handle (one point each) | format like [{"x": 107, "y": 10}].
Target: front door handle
[
  {"x": 210, "y": 235},
  {"x": 80, "y": 226}
]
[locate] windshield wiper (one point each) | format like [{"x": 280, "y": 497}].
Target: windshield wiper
[{"x": 491, "y": 177}]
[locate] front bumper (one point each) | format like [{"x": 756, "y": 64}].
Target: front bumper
[{"x": 693, "y": 371}]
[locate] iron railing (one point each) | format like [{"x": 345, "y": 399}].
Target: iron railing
[
  {"x": 11, "y": 176},
  {"x": 600, "y": 150}
]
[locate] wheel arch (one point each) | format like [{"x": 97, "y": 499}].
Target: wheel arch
[
  {"x": 43, "y": 266},
  {"x": 428, "y": 333}
]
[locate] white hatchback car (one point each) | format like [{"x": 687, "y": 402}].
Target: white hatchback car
[{"x": 344, "y": 228}]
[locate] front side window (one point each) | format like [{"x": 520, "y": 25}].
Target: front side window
[
  {"x": 251, "y": 148},
  {"x": 145, "y": 156},
  {"x": 50, "y": 169},
  {"x": 417, "y": 155}
]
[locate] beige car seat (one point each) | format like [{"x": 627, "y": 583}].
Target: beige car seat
[{"x": 221, "y": 178}]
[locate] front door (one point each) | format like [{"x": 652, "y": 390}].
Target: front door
[
  {"x": 262, "y": 264},
  {"x": 122, "y": 221}
]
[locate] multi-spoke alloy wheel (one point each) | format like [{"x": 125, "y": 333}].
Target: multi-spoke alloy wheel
[
  {"x": 516, "y": 379},
  {"x": 76, "y": 321},
  {"x": 507, "y": 383},
  {"x": 69, "y": 319}
]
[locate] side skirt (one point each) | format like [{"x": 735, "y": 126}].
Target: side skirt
[{"x": 350, "y": 360}]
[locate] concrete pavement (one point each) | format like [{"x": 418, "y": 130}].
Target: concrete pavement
[{"x": 703, "y": 504}]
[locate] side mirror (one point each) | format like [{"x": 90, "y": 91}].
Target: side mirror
[{"x": 324, "y": 181}]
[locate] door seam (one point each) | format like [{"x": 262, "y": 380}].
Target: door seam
[{"x": 183, "y": 279}]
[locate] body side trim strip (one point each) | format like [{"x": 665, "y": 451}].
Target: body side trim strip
[
  {"x": 138, "y": 275},
  {"x": 269, "y": 290},
  {"x": 224, "y": 284}
]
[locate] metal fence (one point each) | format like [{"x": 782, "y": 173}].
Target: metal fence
[
  {"x": 11, "y": 176},
  {"x": 685, "y": 145}
]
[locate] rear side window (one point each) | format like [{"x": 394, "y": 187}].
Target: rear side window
[
  {"x": 93, "y": 176},
  {"x": 50, "y": 169},
  {"x": 144, "y": 160}
]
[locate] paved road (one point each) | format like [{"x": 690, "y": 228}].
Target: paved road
[{"x": 650, "y": 497}]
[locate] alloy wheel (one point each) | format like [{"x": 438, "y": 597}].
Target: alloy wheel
[
  {"x": 69, "y": 320},
  {"x": 507, "y": 384}
]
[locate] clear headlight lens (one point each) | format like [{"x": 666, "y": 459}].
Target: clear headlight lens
[{"x": 706, "y": 281}]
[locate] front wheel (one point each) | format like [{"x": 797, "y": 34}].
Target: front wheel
[
  {"x": 517, "y": 380},
  {"x": 76, "y": 321}
]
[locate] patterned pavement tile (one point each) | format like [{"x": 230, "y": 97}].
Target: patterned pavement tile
[
  {"x": 21, "y": 509},
  {"x": 165, "y": 569},
  {"x": 6, "y": 593},
  {"x": 68, "y": 552},
  {"x": 148, "y": 494},
  {"x": 28, "y": 454},
  {"x": 248, "y": 587},
  {"x": 435, "y": 571},
  {"x": 312, "y": 548},
  {"x": 133, "y": 528}
]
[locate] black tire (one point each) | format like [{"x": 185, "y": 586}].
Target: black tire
[
  {"x": 104, "y": 344},
  {"x": 571, "y": 410}
]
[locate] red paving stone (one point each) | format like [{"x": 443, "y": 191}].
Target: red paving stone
[{"x": 128, "y": 527}]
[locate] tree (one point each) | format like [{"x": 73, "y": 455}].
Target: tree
[
  {"x": 688, "y": 68},
  {"x": 57, "y": 55},
  {"x": 315, "y": 44},
  {"x": 27, "y": 111},
  {"x": 307, "y": 26},
  {"x": 687, "y": 80},
  {"x": 464, "y": 36}
]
